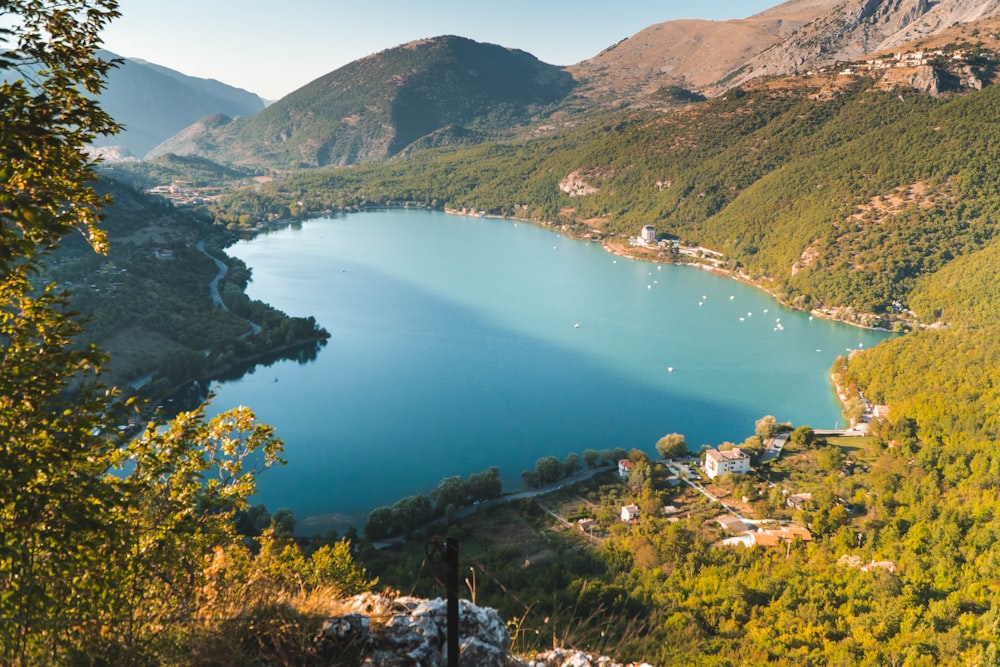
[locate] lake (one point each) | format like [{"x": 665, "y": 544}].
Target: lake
[{"x": 462, "y": 343}]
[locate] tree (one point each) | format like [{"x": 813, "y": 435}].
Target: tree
[
  {"x": 591, "y": 457},
  {"x": 637, "y": 455},
  {"x": 571, "y": 465},
  {"x": 767, "y": 427},
  {"x": 53, "y": 451},
  {"x": 830, "y": 459},
  {"x": 548, "y": 469},
  {"x": 485, "y": 485},
  {"x": 753, "y": 446},
  {"x": 283, "y": 522},
  {"x": 83, "y": 550},
  {"x": 672, "y": 446},
  {"x": 803, "y": 435},
  {"x": 640, "y": 477},
  {"x": 449, "y": 491}
]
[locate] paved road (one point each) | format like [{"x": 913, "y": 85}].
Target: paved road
[
  {"x": 518, "y": 495},
  {"x": 213, "y": 287},
  {"x": 774, "y": 446}
]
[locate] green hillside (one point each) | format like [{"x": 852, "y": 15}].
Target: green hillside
[{"x": 442, "y": 90}]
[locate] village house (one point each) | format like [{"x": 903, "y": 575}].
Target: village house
[
  {"x": 731, "y": 524},
  {"x": 728, "y": 461},
  {"x": 624, "y": 468},
  {"x": 797, "y": 500},
  {"x": 586, "y": 525},
  {"x": 630, "y": 513},
  {"x": 782, "y": 535},
  {"x": 765, "y": 537}
]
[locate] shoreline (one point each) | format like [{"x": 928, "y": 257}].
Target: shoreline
[
  {"x": 615, "y": 245},
  {"x": 619, "y": 247}
]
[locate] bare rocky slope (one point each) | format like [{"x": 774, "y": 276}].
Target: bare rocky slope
[
  {"x": 853, "y": 29},
  {"x": 791, "y": 38},
  {"x": 694, "y": 54}
]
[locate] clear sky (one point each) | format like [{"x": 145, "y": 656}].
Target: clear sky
[{"x": 272, "y": 47}]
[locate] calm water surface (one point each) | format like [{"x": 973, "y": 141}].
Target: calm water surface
[{"x": 463, "y": 343}]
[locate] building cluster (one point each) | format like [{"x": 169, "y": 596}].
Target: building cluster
[
  {"x": 919, "y": 59},
  {"x": 184, "y": 193}
]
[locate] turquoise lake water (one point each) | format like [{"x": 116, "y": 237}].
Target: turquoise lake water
[{"x": 463, "y": 343}]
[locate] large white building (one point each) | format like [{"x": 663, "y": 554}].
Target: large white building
[
  {"x": 731, "y": 460},
  {"x": 648, "y": 234}
]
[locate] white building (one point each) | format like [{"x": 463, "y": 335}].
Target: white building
[
  {"x": 729, "y": 461},
  {"x": 630, "y": 513},
  {"x": 648, "y": 234}
]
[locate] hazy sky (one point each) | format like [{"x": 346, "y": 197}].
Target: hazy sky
[{"x": 272, "y": 47}]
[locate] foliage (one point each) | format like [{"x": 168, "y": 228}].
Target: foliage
[
  {"x": 165, "y": 169},
  {"x": 103, "y": 543},
  {"x": 671, "y": 446},
  {"x": 411, "y": 513},
  {"x": 803, "y": 435}
]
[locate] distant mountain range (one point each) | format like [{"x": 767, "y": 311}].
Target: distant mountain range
[
  {"x": 450, "y": 90},
  {"x": 155, "y": 102}
]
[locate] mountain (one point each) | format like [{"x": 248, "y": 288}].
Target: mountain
[
  {"x": 155, "y": 102},
  {"x": 437, "y": 91},
  {"x": 710, "y": 57},
  {"x": 856, "y": 28},
  {"x": 694, "y": 54}
]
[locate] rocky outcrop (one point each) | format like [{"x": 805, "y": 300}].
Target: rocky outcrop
[
  {"x": 406, "y": 631},
  {"x": 576, "y": 185},
  {"x": 927, "y": 80},
  {"x": 559, "y": 657}
]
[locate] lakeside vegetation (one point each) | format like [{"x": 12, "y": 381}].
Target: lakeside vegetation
[
  {"x": 147, "y": 300},
  {"x": 899, "y": 569}
]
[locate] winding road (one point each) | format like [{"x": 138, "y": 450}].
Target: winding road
[{"x": 213, "y": 286}]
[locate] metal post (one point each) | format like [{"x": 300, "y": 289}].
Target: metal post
[{"x": 451, "y": 559}]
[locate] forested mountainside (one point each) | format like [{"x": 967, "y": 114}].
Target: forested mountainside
[{"x": 446, "y": 90}]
